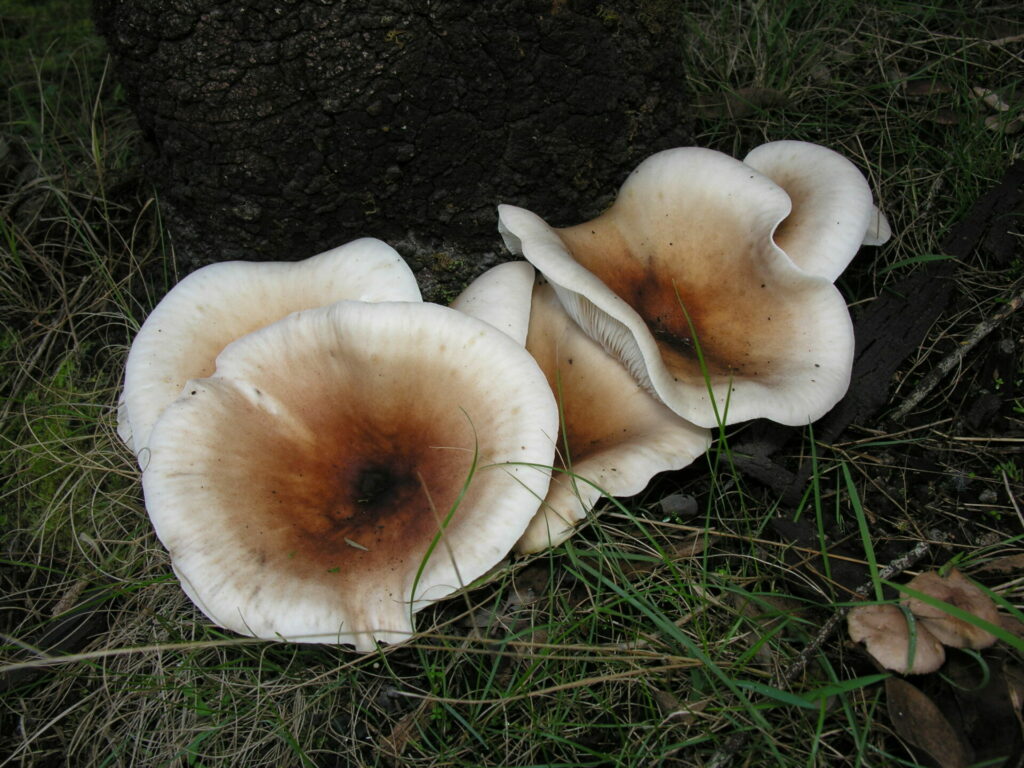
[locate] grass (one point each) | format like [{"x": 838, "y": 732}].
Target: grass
[{"x": 646, "y": 640}]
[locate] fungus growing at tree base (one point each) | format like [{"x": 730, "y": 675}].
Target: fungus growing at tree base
[
  {"x": 347, "y": 465},
  {"x": 686, "y": 280}
]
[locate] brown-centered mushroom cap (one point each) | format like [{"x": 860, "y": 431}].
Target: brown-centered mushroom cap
[
  {"x": 215, "y": 305},
  {"x": 886, "y": 634},
  {"x": 832, "y": 213},
  {"x": 616, "y": 435},
  {"x": 955, "y": 589},
  {"x": 691, "y": 230},
  {"x": 320, "y": 486}
]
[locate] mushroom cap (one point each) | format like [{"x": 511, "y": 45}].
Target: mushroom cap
[
  {"x": 691, "y": 228},
  {"x": 886, "y": 634},
  {"x": 501, "y": 297},
  {"x": 879, "y": 231},
  {"x": 215, "y": 305},
  {"x": 955, "y": 589},
  {"x": 616, "y": 436},
  {"x": 832, "y": 214},
  {"x": 320, "y": 487}
]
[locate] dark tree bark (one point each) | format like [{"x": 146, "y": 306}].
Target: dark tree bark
[{"x": 280, "y": 128}]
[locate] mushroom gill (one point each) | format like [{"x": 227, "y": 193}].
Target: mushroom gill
[{"x": 614, "y": 437}]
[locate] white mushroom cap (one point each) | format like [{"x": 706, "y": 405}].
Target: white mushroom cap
[
  {"x": 215, "y": 305},
  {"x": 879, "y": 231},
  {"x": 692, "y": 228},
  {"x": 616, "y": 435},
  {"x": 303, "y": 489},
  {"x": 956, "y": 589},
  {"x": 832, "y": 215},
  {"x": 886, "y": 634},
  {"x": 501, "y": 297}
]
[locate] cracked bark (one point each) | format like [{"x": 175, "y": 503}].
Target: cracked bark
[{"x": 280, "y": 128}]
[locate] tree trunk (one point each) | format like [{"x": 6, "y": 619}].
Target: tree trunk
[{"x": 280, "y": 128}]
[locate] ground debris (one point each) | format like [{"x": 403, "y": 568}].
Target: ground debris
[
  {"x": 919, "y": 721},
  {"x": 675, "y": 711},
  {"x": 955, "y": 358}
]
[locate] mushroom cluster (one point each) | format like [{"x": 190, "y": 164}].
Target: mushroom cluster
[
  {"x": 325, "y": 454},
  {"x": 710, "y": 282},
  {"x": 910, "y": 638},
  {"x": 614, "y": 437}
]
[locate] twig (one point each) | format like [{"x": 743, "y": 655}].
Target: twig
[
  {"x": 981, "y": 330},
  {"x": 1010, "y": 496},
  {"x": 1006, "y": 40},
  {"x": 736, "y": 742}
]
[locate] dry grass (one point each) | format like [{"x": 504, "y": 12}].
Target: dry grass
[{"x": 633, "y": 644}]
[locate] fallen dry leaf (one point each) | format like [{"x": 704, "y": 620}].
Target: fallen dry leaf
[
  {"x": 991, "y": 98},
  {"x": 667, "y": 703},
  {"x": 979, "y": 704},
  {"x": 1008, "y": 565},
  {"x": 919, "y": 722},
  {"x": 943, "y": 117},
  {"x": 927, "y": 87},
  {"x": 1003, "y": 125},
  {"x": 1012, "y": 624}
]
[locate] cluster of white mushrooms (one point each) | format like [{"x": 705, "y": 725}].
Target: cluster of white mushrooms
[{"x": 323, "y": 453}]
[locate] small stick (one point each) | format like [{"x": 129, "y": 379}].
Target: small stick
[
  {"x": 1010, "y": 496},
  {"x": 724, "y": 755},
  {"x": 1006, "y": 40},
  {"x": 981, "y": 330}
]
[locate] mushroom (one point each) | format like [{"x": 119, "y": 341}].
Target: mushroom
[
  {"x": 887, "y": 635},
  {"x": 615, "y": 436},
  {"x": 681, "y": 281},
  {"x": 347, "y": 465},
  {"x": 832, "y": 214},
  {"x": 502, "y": 297},
  {"x": 221, "y": 302},
  {"x": 953, "y": 588}
]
